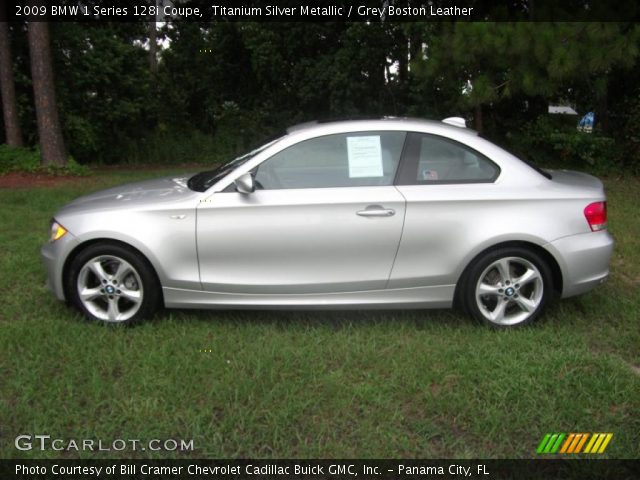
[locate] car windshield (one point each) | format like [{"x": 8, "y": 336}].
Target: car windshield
[{"x": 204, "y": 180}]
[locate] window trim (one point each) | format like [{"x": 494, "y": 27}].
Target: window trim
[{"x": 405, "y": 175}]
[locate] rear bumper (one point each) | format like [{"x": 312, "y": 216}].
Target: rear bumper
[{"x": 583, "y": 259}]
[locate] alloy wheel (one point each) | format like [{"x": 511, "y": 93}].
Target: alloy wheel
[
  {"x": 110, "y": 288},
  {"x": 509, "y": 291}
]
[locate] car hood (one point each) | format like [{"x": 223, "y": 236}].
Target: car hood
[{"x": 149, "y": 192}]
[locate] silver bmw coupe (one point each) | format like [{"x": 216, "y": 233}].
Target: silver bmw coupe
[{"x": 388, "y": 213}]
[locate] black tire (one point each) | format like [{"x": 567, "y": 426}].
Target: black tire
[
  {"x": 507, "y": 302},
  {"x": 126, "y": 292}
]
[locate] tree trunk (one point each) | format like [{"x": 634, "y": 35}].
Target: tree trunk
[
  {"x": 153, "y": 46},
  {"x": 403, "y": 63},
  {"x": 49, "y": 131},
  {"x": 478, "y": 118},
  {"x": 603, "y": 108},
  {"x": 8, "y": 91}
]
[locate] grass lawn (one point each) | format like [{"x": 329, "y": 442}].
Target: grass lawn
[{"x": 308, "y": 384}]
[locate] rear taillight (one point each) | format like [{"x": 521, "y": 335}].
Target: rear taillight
[{"x": 596, "y": 215}]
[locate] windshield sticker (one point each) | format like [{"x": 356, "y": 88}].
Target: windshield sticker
[{"x": 365, "y": 157}]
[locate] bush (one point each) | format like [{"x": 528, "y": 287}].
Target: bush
[
  {"x": 599, "y": 153},
  {"x": 20, "y": 159},
  {"x": 531, "y": 141},
  {"x": 556, "y": 143},
  {"x": 236, "y": 133},
  {"x": 630, "y": 137},
  {"x": 170, "y": 147}
]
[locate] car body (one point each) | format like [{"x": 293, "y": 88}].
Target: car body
[{"x": 386, "y": 213}]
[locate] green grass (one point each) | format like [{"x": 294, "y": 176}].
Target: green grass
[{"x": 310, "y": 384}]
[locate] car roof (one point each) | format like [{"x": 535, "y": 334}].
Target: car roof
[{"x": 380, "y": 123}]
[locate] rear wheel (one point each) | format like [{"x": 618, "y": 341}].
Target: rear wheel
[
  {"x": 112, "y": 284},
  {"x": 507, "y": 287}
]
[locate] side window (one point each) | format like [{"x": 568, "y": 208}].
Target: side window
[
  {"x": 341, "y": 160},
  {"x": 431, "y": 159}
]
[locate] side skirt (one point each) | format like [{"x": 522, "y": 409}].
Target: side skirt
[{"x": 419, "y": 297}]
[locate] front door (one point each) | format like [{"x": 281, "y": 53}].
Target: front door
[{"x": 325, "y": 218}]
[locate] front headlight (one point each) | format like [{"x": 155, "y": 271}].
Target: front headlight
[{"x": 57, "y": 231}]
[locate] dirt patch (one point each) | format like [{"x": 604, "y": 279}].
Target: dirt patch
[{"x": 30, "y": 180}]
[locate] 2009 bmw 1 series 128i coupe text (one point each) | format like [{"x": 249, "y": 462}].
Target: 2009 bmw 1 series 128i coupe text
[{"x": 388, "y": 213}]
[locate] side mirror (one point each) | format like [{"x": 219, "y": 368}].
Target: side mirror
[{"x": 245, "y": 184}]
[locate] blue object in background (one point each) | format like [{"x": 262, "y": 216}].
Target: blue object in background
[{"x": 586, "y": 122}]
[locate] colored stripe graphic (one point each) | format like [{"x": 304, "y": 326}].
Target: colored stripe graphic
[
  {"x": 573, "y": 443},
  {"x": 606, "y": 442},
  {"x": 550, "y": 443},
  {"x": 567, "y": 443},
  {"x": 543, "y": 443},
  {"x": 590, "y": 444},
  {"x": 579, "y": 446},
  {"x": 598, "y": 443},
  {"x": 556, "y": 445},
  {"x": 576, "y": 441}
]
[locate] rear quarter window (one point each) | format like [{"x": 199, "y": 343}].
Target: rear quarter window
[{"x": 431, "y": 159}]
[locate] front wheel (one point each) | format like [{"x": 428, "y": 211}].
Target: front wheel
[
  {"x": 112, "y": 284},
  {"x": 507, "y": 287}
]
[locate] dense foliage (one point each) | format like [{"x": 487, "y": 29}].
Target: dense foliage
[
  {"x": 21, "y": 159},
  {"x": 223, "y": 87}
]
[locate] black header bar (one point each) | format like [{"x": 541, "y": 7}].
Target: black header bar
[{"x": 319, "y": 10}]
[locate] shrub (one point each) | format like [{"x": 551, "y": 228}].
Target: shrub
[
  {"x": 20, "y": 159},
  {"x": 555, "y": 143},
  {"x": 599, "y": 153},
  {"x": 236, "y": 133},
  {"x": 630, "y": 137},
  {"x": 170, "y": 147}
]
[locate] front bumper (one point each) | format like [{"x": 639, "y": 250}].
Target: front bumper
[
  {"x": 583, "y": 259},
  {"x": 54, "y": 255}
]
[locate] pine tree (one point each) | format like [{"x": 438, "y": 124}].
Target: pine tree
[
  {"x": 49, "y": 131},
  {"x": 9, "y": 107}
]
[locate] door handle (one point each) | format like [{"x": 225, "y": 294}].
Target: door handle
[{"x": 376, "y": 211}]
